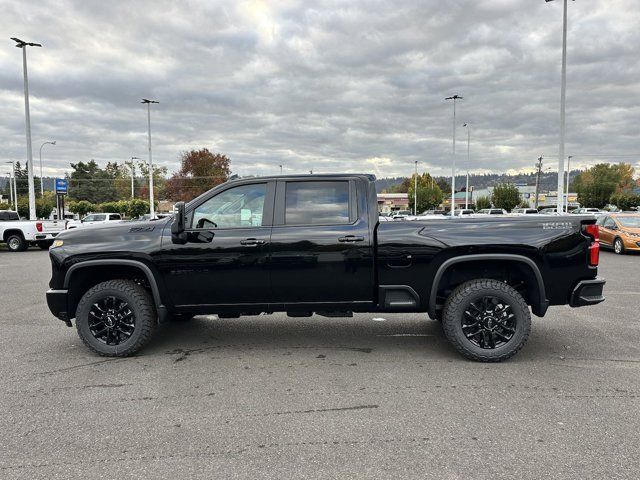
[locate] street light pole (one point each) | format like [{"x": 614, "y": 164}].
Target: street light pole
[
  {"x": 563, "y": 95},
  {"x": 152, "y": 208},
  {"x": 539, "y": 167},
  {"x": 466, "y": 195},
  {"x": 568, "y": 173},
  {"x": 280, "y": 169},
  {"x": 453, "y": 164},
  {"x": 415, "y": 192},
  {"x": 10, "y": 188},
  {"x": 41, "y": 181},
  {"x": 32, "y": 196},
  {"x": 14, "y": 194},
  {"x": 133, "y": 174}
]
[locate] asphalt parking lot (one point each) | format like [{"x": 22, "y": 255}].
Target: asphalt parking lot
[{"x": 278, "y": 397}]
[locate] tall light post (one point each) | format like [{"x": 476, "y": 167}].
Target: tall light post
[
  {"x": 563, "y": 96},
  {"x": 466, "y": 195},
  {"x": 539, "y": 169},
  {"x": 32, "y": 195},
  {"x": 10, "y": 188},
  {"x": 568, "y": 173},
  {"x": 133, "y": 174},
  {"x": 453, "y": 163},
  {"x": 280, "y": 169},
  {"x": 14, "y": 197},
  {"x": 415, "y": 192},
  {"x": 152, "y": 209},
  {"x": 41, "y": 181}
]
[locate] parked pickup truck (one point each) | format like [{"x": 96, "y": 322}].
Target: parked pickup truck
[
  {"x": 314, "y": 244},
  {"x": 95, "y": 219},
  {"x": 19, "y": 234}
]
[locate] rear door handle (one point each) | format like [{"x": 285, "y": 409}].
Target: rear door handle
[
  {"x": 351, "y": 238},
  {"x": 251, "y": 242}
]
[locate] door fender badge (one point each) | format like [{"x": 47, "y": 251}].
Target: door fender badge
[{"x": 556, "y": 225}]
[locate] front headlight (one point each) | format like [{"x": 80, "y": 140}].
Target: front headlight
[
  {"x": 57, "y": 243},
  {"x": 632, "y": 234}
]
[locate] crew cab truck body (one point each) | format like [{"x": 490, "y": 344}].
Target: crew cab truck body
[
  {"x": 19, "y": 234},
  {"x": 305, "y": 244}
]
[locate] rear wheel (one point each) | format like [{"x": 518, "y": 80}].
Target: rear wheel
[
  {"x": 618, "y": 246},
  {"x": 16, "y": 243},
  {"x": 486, "y": 320},
  {"x": 116, "y": 318}
]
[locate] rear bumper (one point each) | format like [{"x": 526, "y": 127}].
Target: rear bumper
[
  {"x": 57, "y": 302},
  {"x": 587, "y": 292}
]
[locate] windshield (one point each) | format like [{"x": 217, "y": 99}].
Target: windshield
[{"x": 629, "y": 222}]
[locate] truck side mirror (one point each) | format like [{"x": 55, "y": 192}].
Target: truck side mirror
[{"x": 178, "y": 234}]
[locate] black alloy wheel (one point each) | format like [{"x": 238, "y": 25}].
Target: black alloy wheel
[
  {"x": 111, "y": 320},
  {"x": 489, "y": 322}
]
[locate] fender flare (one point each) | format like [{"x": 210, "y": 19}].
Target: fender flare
[
  {"x": 539, "y": 309},
  {"x": 130, "y": 263}
]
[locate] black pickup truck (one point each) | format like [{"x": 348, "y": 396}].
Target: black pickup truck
[{"x": 313, "y": 244}]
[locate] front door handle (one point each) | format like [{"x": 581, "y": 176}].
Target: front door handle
[
  {"x": 251, "y": 242},
  {"x": 351, "y": 238}
]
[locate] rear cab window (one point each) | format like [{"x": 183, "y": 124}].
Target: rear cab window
[{"x": 318, "y": 203}]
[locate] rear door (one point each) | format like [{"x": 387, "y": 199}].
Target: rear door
[{"x": 321, "y": 247}]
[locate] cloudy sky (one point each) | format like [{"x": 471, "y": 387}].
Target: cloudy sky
[{"x": 323, "y": 85}]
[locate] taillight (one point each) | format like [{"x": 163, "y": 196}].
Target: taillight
[
  {"x": 594, "y": 249},
  {"x": 39, "y": 226}
]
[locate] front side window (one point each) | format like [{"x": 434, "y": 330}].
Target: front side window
[
  {"x": 237, "y": 207},
  {"x": 89, "y": 218},
  {"x": 316, "y": 203}
]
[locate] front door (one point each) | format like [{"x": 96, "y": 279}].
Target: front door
[
  {"x": 321, "y": 250},
  {"x": 225, "y": 258}
]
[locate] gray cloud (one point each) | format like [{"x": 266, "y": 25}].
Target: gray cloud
[{"x": 328, "y": 85}]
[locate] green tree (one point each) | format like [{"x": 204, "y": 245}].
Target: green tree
[
  {"x": 505, "y": 195},
  {"x": 596, "y": 185},
  {"x": 91, "y": 183},
  {"x": 625, "y": 201},
  {"x": 483, "y": 202},
  {"x": 444, "y": 185},
  {"x": 137, "y": 208},
  {"x": 429, "y": 194},
  {"x": 5, "y": 206},
  {"x": 200, "y": 171},
  {"x": 22, "y": 181},
  {"x": 82, "y": 207}
]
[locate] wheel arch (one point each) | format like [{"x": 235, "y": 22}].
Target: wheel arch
[
  {"x": 101, "y": 270},
  {"x": 11, "y": 231},
  {"x": 538, "y": 301}
]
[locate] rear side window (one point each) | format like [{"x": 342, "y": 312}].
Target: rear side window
[
  {"x": 114, "y": 217},
  {"x": 9, "y": 216},
  {"x": 316, "y": 203},
  {"x": 99, "y": 218}
]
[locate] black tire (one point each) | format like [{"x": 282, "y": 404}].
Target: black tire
[
  {"x": 45, "y": 244},
  {"x": 618, "y": 246},
  {"x": 16, "y": 243},
  {"x": 501, "y": 317},
  {"x": 117, "y": 320}
]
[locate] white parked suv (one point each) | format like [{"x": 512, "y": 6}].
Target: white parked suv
[
  {"x": 19, "y": 234},
  {"x": 95, "y": 219}
]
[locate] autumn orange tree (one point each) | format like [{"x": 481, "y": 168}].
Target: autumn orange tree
[{"x": 200, "y": 171}]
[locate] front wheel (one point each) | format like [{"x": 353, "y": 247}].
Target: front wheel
[
  {"x": 116, "y": 318},
  {"x": 486, "y": 320},
  {"x": 618, "y": 246}
]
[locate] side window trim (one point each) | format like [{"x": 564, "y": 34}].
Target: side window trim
[{"x": 267, "y": 209}]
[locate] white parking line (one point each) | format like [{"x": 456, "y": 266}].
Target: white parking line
[{"x": 379, "y": 319}]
